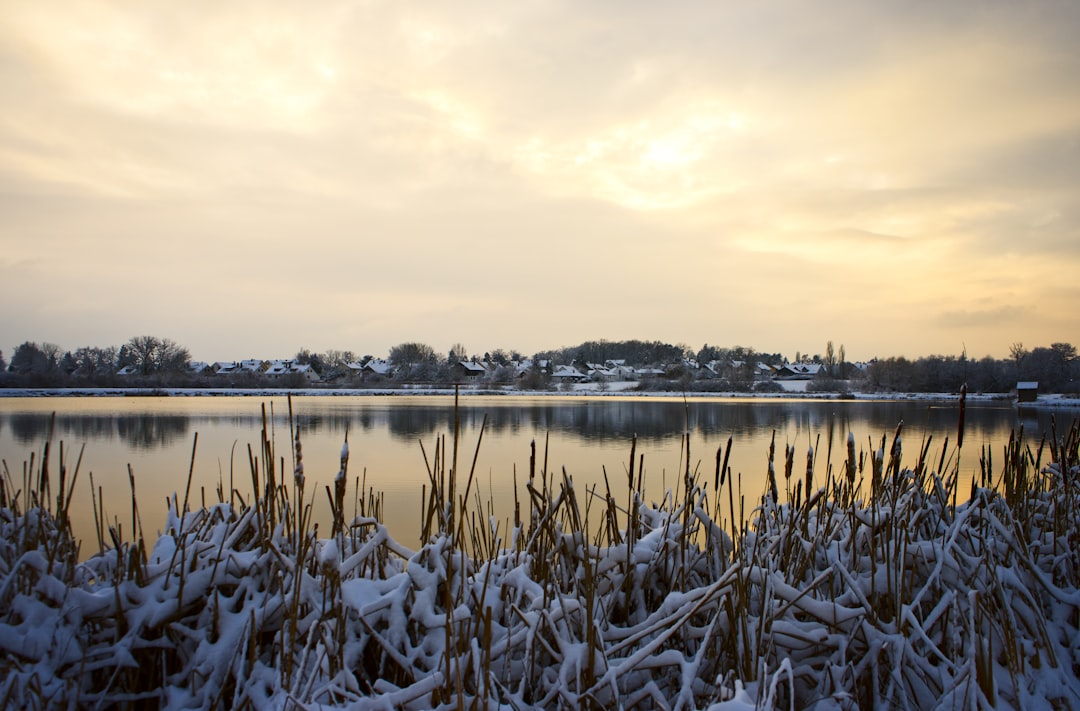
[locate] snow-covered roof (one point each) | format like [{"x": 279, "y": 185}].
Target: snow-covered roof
[
  {"x": 803, "y": 368},
  {"x": 1027, "y": 385},
  {"x": 378, "y": 366}
]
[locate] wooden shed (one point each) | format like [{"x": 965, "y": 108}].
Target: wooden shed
[{"x": 1027, "y": 391}]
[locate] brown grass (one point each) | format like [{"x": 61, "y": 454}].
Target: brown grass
[{"x": 869, "y": 589}]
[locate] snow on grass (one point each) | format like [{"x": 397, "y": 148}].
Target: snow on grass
[{"x": 897, "y": 597}]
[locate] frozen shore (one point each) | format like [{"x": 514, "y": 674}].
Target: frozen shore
[{"x": 581, "y": 390}]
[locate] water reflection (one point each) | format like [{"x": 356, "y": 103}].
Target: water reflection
[
  {"x": 618, "y": 420},
  {"x": 590, "y": 437},
  {"x": 144, "y": 431},
  {"x": 599, "y": 420}
]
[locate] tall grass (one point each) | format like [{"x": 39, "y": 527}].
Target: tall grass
[{"x": 870, "y": 587}]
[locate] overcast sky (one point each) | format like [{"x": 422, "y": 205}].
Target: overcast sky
[{"x": 252, "y": 178}]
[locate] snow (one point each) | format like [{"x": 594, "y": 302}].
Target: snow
[
  {"x": 908, "y": 600},
  {"x": 795, "y": 389}
]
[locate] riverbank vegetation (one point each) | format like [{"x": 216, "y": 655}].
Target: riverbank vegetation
[
  {"x": 151, "y": 362},
  {"x": 876, "y": 585}
]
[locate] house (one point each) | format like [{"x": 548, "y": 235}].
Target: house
[
  {"x": 1027, "y": 391},
  {"x": 222, "y": 367},
  {"x": 278, "y": 368},
  {"x": 128, "y": 370},
  {"x": 468, "y": 369},
  {"x": 798, "y": 371},
  {"x": 568, "y": 374},
  {"x": 199, "y": 368},
  {"x": 600, "y": 372},
  {"x": 526, "y": 366},
  {"x": 306, "y": 371},
  {"x": 252, "y": 366},
  {"x": 620, "y": 369},
  {"x": 377, "y": 366}
]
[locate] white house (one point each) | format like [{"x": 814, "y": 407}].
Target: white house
[
  {"x": 252, "y": 366},
  {"x": 567, "y": 373},
  {"x": 377, "y": 366}
]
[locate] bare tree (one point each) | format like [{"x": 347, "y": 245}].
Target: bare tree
[
  {"x": 405, "y": 354},
  {"x": 142, "y": 349},
  {"x": 457, "y": 353},
  {"x": 151, "y": 354}
]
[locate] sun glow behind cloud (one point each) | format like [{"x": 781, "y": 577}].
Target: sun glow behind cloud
[{"x": 907, "y": 174}]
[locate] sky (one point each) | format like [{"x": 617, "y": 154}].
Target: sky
[{"x": 252, "y": 178}]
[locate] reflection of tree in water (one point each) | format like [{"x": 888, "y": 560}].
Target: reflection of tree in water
[
  {"x": 33, "y": 428},
  {"x": 602, "y": 420},
  {"x": 151, "y": 431},
  {"x": 412, "y": 423},
  {"x": 142, "y": 431},
  {"x": 29, "y": 429}
]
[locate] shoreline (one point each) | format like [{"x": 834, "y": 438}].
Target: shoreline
[{"x": 1044, "y": 401}]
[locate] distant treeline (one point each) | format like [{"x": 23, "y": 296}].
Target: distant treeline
[
  {"x": 150, "y": 361},
  {"x": 1055, "y": 368}
]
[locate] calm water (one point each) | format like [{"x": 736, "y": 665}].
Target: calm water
[{"x": 587, "y": 436}]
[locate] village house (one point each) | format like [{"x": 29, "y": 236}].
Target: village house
[
  {"x": 222, "y": 367},
  {"x": 568, "y": 374},
  {"x": 799, "y": 371},
  {"x": 468, "y": 369},
  {"x": 377, "y": 366}
]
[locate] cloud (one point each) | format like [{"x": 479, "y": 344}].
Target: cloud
[
  {"x": 542, "y": 170},
  {"x": 1004, "y": 317}
]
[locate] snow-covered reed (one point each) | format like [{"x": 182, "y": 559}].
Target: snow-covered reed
[{"x": 837, "y": 595}]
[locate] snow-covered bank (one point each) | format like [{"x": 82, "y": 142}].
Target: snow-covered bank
[
  {"x": 579, "y": 390},
  {"x": 873, "y": 590}
]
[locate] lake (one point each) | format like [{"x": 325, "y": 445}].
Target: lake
[{"x": 389, "y": 435}]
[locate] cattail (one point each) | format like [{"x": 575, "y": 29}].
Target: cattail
[
  {"x": 298, "y": 472},
  {"x": 772, "y": 469},
  {"x": 960, "y": 428},
  {"x": 850, "y": 463},
  {"x": 339, "y": 487}
]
